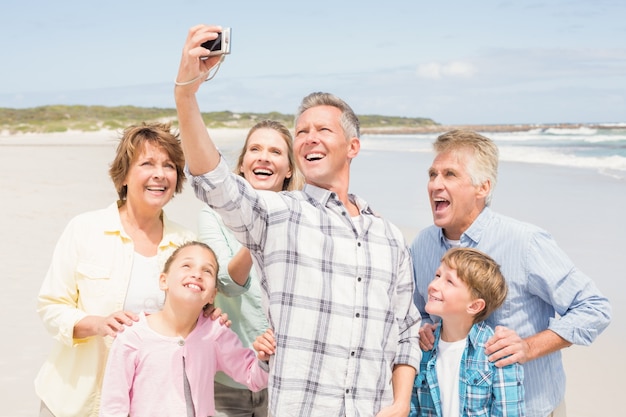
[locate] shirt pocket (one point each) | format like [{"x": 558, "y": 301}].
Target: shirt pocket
[
  {"x": 479, "y": 385},
  {"x": 93, "y": 282}
]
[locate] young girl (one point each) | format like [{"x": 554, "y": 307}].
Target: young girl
[{"x": 164, "y": 365}]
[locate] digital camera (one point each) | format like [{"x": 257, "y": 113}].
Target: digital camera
[{"x": 219, "y": 45}]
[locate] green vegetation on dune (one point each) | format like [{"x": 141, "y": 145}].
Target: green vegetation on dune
[
  {"x": 375, "y": 121},
  {"x": 59, "y": 118}
]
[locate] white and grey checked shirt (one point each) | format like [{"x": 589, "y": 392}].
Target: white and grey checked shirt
[{"x": 339, "y": 298}]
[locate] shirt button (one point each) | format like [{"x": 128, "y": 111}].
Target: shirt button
[
  {"x": 358, "y": 315},
  {"x": 352, "y": 353},
  {"x": 358, "y": 244},
  {"x": 181, "y": 342},
  {"x": 347, "y": 391},
  {"x": 359, "y": 279}
]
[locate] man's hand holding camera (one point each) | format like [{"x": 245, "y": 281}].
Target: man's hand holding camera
[{"x": 198, "y": 61}]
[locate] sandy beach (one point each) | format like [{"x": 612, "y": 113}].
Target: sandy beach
[{"x": 48, "y": 179}]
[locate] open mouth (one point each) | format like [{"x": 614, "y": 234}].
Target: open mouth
[
  {"x": 158, "y": 189},
  {"x": 262, "y": 171},
  {"x": 193, "y": 286},
  {"x": 433, "y": 298},
  {"x": 314, "y": 156},
  {"x": 441, "y": 203}
]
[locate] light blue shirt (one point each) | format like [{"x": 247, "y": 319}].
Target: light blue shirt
[
  {"x": 543, "y": 283},
  {"x": 242, "y": 304}
]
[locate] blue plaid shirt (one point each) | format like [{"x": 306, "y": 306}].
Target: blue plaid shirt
[
  {"x": 338, "y": 295},
  {"x": 484, "y": 389}
]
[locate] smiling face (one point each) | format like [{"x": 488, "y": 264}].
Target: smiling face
[
  {"x": 190, "y": 276},
  {"x": 322, "y": 150},
  {"x": 448, "y": 296},
  {"x": 265, "y": 163},
  {"x": 455, "y": 201},
  {"x": 151, "y": 179}
]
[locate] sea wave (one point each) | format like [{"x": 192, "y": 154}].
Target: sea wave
[
  {"x": 583, "y": 130},
  {"x": 613, "y": 165},
  {"x": 603, "y": 152},
  {"x": 572, "y": 136}
]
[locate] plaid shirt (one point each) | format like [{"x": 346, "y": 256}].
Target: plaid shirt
[
  {"x": 484, "y": 389},
  {"x": 338, "y": 297}
]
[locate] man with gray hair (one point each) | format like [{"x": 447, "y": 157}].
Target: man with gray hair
[{"x": 550, "y": 305}]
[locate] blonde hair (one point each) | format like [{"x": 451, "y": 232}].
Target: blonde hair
[
  {"x": 482, "y": 276},
  {"x": 295, "y": 182}
]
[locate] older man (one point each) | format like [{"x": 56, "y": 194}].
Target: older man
[{"x": 551, "y": 304}]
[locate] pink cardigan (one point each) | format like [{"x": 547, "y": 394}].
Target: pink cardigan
[{"x": 144, "y": 372}]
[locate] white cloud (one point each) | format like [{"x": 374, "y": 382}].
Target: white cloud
[
  {"x": 459, "y": 69},
  {"x": 436, "y": 71},
  {"x": 431, "y": 71}
]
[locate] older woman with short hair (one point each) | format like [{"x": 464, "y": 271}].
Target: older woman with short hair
[{"x": 105, "y": 269}]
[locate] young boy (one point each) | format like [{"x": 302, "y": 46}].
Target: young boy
[
  {"x": 164, "y": 364},
  {"x": 455, "y": 378}
]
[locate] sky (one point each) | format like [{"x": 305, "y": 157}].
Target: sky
[{"x": 456, "y": 62}]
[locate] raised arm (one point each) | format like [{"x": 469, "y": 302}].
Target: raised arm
[
  {"x": 201, "y": 155},
  {"x": 213, "y": 232}
]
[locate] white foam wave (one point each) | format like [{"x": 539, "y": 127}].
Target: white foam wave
[
  {"x": 538, "y": 135},
  {"x": 614, "y": 163},
  {"x": 583, "y": 130}
]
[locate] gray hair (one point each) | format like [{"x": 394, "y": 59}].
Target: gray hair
[
  {"x": 483, "y": 164},
  {"x": 349, "y": 122}
]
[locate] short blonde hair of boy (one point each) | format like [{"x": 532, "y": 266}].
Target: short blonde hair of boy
[{"x": 482, "y": 276}]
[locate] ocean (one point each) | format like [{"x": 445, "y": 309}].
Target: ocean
[{"x": 600, "y": 148}]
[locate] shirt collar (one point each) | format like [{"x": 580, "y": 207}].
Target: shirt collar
[
  {"x": 474, "y": 335},
  {"x": 477, "y": 228},
  {"x": 112, "y": 224},
  {"x": 475, "y": 231},
  {"x": 324, "y": 196}
]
